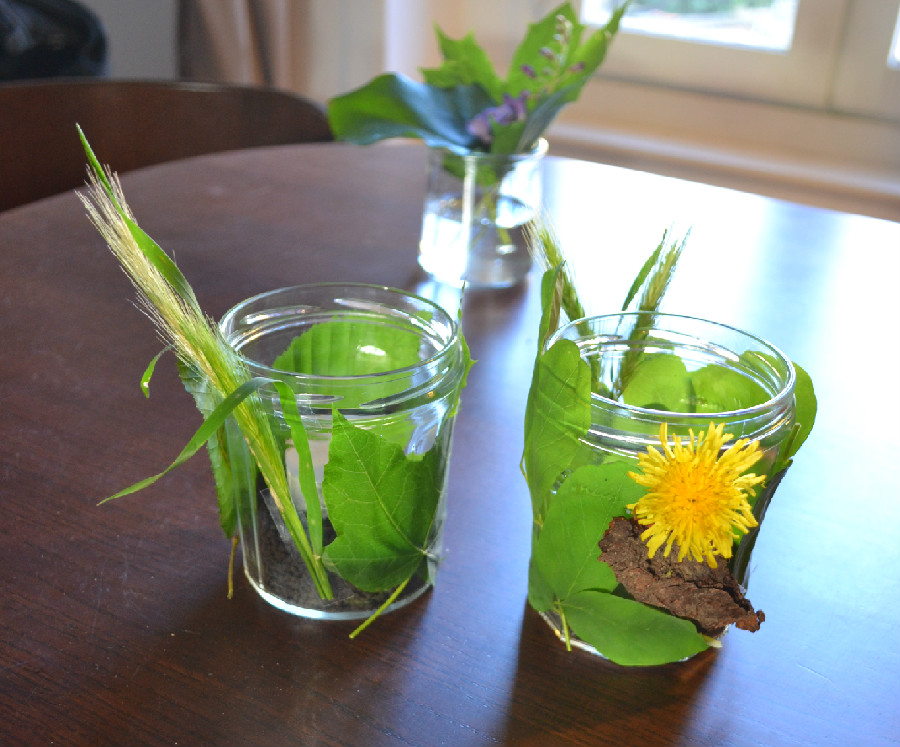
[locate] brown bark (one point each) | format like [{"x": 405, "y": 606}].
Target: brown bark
[{"x": 708, "y": 597}]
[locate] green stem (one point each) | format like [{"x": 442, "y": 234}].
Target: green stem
[
  {"x": 387, "y": 603},
  {"x": 566, "y": 635}
]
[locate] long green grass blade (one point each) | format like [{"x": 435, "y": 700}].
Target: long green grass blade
[
  {"x": 307, "y": 475},
  {"x": 206, "y": 431}
]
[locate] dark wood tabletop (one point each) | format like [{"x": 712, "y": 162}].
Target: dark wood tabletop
[{"x": 115, "y": 628}]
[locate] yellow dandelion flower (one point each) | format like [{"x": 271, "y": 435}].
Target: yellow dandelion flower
[{"x": 696, "y": 497}]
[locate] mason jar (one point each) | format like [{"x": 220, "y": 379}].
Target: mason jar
[
  {"x": 383, "y": 362},
  {"x": 647, "y": 370}
]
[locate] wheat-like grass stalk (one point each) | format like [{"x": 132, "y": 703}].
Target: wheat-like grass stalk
[
  {"x": 658, "y": 278},
  {"x": 197, "y": 342},
  {"x": 652, "y": 282},
  {"x": 545, "y": 247}
]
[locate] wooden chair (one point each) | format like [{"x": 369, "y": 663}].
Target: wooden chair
[{"x": 131, "y": 124}]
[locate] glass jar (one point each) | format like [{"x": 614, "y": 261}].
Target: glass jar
[
  {"x": 476, "y": 214},
  {"x": 390, "y": 364},
  {"x": 645, "y": 371}
]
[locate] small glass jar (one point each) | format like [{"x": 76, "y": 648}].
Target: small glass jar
[
  {"x": 412, "y": 407},
  {"x": 476, "y": 214},
  {"x": 644, "y": 372}
]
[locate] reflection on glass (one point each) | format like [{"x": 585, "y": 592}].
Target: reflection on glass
[
  {"x": 894, "y": 53},
  {"x": 763, "y": 24}
]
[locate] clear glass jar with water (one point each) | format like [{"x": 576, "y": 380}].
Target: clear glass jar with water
[{"x": 388, "y": 363}]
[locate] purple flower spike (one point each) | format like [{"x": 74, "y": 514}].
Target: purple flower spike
[
  {"x": 529, "y": 71},
  {"x": 480, "y": 126}
]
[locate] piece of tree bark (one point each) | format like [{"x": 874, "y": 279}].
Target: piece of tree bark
[{"x": 708, "y": 597}]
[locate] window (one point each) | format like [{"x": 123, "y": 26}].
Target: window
[
  {"x": 829, "y": 55},
  {"x": 761, "y": 24}
]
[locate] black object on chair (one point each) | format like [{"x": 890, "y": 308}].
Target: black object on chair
[{"x": 50, "y": 38}]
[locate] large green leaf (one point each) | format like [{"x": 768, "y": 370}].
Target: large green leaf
[
  {"x": 628, "y": 632},
  {"x": 382, "y": 505},
  {"x": 659, "y": 382},
  {"x": 355, "y": 345},
  {"x": 350, "y": 345},
  {"x": 465, "y": 63},
  {"x": 566, "y": 555},
  {"x": 558, "y": 416},
  {"x": 393, "y": 105},
  {"x": 719, "y": 389}
]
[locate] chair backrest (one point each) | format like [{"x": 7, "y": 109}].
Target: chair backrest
[{"x": 131, "y": 124}]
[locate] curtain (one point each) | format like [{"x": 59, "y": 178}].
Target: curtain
[{"x": 256, "y": 42}]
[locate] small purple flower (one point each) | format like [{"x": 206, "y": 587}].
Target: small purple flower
[
  {"x": 480, "y": 126},
  {"x": 518, "y": 106},
  {"x": 529, "y": 71},
  {"x": 513, "y": 109},
  {"x": 577, "y": 68}
]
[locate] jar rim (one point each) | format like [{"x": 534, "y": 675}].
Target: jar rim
[
  {"x": 541, "y": 146},
  {"x": 233, "y": 317},
  {"x": 782, "y": 398}
]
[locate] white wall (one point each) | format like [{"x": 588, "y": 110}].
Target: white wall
[{"x": 140, "y": 36}]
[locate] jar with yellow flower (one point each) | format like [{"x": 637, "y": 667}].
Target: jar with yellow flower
[{"x": 653, "y": 445}]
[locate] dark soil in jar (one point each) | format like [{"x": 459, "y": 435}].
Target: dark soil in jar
[{"x": 285, "y": 576}]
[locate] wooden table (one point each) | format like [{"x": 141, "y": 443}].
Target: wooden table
[{"x": 114, "y": 622}]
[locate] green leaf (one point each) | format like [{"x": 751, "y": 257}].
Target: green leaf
[
  {"x": 805, "y": 410},
  {"x": 467, "y": 364},
  {"x": 539, "y": 36},
  {"x": 393, "y": 105},
  {"x": 628, "y": 632},
  {"x": 806, "y": 403},
  {"x": 580, "y": 62},
  {"x": 719, "y": 389},
  {"x": 102, "y": 178},
  {"x": 465, "y": 63},
  {"x": 551, "y": 299},
  {"x": 220, "y": 456},
  {"x": 540, "y": 593},
  {"x": 350, "y": 345},
  {"x": 382, "y": 505},
  {"x": 558, "y": 416},
  {"x": 206, "y": 431},
  {"x": 148, "y": 373},
  {"x": 660, "y": 382},
  {"x": 306, "y": 474},
  {"x": 566, "y": 554},
  {"x": 520, "y": 137}
]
